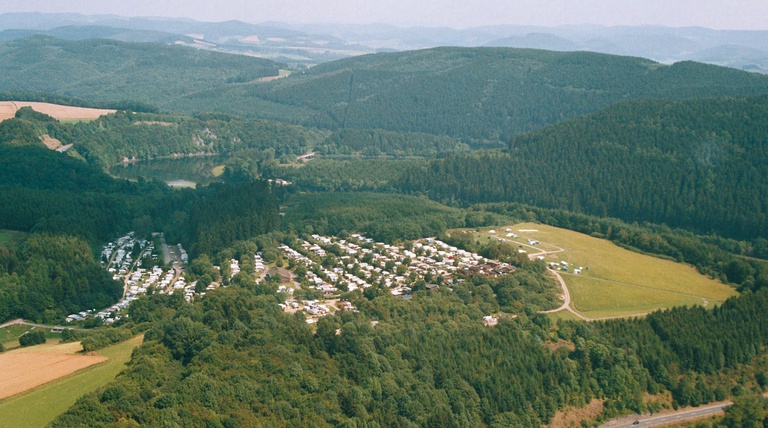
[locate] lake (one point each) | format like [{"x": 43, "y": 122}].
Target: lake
[{"x": 182, "y": 172}]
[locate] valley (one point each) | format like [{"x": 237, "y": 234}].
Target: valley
[{"x": 317, "y": 233}]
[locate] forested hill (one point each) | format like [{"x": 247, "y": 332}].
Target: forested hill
[
  {"x": 484, "y": 93},
  {"x": 474, "y": 94},
  {"x": 699, "y": 164},
  {"x": 105, "y": 70}
]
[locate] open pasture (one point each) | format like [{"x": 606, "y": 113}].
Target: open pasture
[
  {"x": 25, "y": 368},
  {"x": 38, "y": 406},
  {"x": 613, "y": 281}
]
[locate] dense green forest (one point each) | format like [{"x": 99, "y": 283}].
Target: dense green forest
[
  {"x": 50, "y": 277},
  {"x": 106, "y": 70},
  {"x": 72, "y": 208},
  {"x": 234, "y": 359},
  {"x": 249, "y": 146},
  {"x": 477, "y": 93},
  {"x": 387, "y": 218},
  {"x": 697, "y": 164},
  {"x": 345, "y": 175},
  {"x": 665, "y": 160}
]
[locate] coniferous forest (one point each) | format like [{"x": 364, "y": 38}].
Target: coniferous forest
[{"x": 669, "y": 161}]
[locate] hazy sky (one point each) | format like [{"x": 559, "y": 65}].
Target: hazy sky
[{"x": 719, "y": 14}]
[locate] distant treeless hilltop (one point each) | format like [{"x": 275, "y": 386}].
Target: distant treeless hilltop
[{"x": 8, "y": 110}]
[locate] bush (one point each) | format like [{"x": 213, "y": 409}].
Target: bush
[
  {"x": 32, "y": 338},
  {"x": 104, "y": 338}
]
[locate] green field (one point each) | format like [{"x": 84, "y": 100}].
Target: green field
[
  {"x": 11, "y": 238},
  {"x": 618, "y": 282},
  {"x": 39, "y": 406},
  {"x": 9, "y": 336}
]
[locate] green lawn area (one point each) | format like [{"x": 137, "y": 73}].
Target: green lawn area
[
  {"x": 9, "y": 336},
  {"x": 563, "y": 315},
  {"x": 12, "y": 333},
  {"x": 11, "y": 238},
  {"x": 39, "y": 406},
  {"x": 618, "y": 282}
]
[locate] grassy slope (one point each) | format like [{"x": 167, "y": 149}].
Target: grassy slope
[
  {"x": 620, "y": 282},
  {"x": 39, "y": 406}
]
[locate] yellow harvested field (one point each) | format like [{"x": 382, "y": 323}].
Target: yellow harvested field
[
  {"x": 8, "y": 110},
  {"x": 25, "y": 368}
]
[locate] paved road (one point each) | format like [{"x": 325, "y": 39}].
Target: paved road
[
  {"x": 22, "y": 322},
  {"x": 668, "y": 419}
]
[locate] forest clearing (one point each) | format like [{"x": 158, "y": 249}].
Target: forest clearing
[
  {"x": 25, "y": 368},
  {"x": 39, "y": 406},
  {"x": 605, "y": 280},
  {"x": 60, "y": 112}
]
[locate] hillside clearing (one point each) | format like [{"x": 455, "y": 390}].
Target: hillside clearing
[
  {"x": 60, "y": 112},
  {"x": 39, "y": 406},
  {"x": 26, "y": 368},
  {"x": 613, "y": 281}
]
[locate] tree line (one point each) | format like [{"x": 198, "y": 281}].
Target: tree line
[{"x": 234, "y": 359}]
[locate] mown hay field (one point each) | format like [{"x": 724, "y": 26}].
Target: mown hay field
[
  {"x": 614, "y": 282},
  {"x": 38, "y": 406}
]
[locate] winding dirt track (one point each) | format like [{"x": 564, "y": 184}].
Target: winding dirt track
[{"x": 566, "y": 306}]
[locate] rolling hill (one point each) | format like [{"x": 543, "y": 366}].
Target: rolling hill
[
  {"x": 106, "y": 70},
  {"x": 480, "y": 93},
  {"x": 699, "y": 164},
  {"x": 486, "y": 94}
]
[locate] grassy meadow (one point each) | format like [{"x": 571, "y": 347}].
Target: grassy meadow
[
  {"x": 615, "y": 282},
  {"x": 39, "y": 406},
  {"x": 9, "y": 336}
]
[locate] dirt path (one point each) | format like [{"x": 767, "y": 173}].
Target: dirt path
[
  {"x": 566, "y": 306},
  {"x": 22, "y": 322}
]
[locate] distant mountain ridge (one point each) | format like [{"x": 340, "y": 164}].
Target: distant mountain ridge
[
  {"x": 475, "y": 94},
  {"x": 109, "y": 70},
  {"x": 309, "y": 44}
]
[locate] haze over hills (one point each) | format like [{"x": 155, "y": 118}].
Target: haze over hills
[
  {"x": 97, "y": 69},
  {"x": 473, "y": 93},
  {"x": 313, "y": 43},
  {"x": 477, "y": 94},
  {"x": 260, "y": 317}
]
